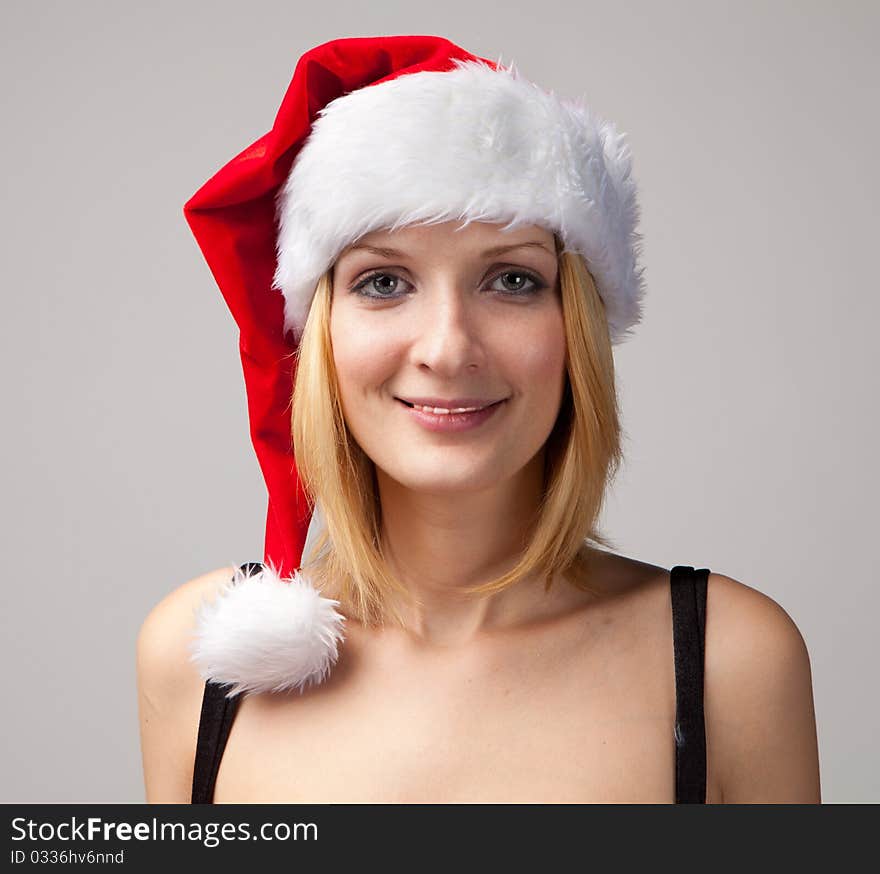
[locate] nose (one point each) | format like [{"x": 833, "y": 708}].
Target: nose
[{"x": 450, "y": 333}]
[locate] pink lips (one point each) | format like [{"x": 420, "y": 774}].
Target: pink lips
[{"x": 452, "y": 422}]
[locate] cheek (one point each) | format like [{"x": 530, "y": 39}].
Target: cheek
[
  {"x": 362, "y": 356},
  {"x": 540, "y": 354}
]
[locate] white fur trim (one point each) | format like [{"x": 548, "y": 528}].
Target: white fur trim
[
  {"x": 471, "y": 143},
  {"x": 265, "y": 634}
]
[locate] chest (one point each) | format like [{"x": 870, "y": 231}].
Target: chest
[{"x": 531, "y": 721}]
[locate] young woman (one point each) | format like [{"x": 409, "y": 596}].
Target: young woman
[{"x": 456, "y": 255}]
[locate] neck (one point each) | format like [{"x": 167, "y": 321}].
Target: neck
[{"x": 439, "y": 544}]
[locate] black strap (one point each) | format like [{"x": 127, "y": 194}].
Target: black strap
[
  {"x": 215, "y": 722},
  {"x": 688, "y": 592}
]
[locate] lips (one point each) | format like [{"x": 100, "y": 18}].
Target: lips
[
  {"x": 451, "y": 422},
  {"x": 472, "y": 404},
  {"x": 473, "y": 408}
]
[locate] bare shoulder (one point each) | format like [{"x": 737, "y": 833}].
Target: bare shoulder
[
  {"x": 760, "y": 720},
  {"x": 164, "y": 634},
  {"x": 170, "y": 688}
]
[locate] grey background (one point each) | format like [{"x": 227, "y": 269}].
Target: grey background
[{"x": 749, "y": 395}]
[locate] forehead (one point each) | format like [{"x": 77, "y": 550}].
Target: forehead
[{"x": 475, "y": 238}]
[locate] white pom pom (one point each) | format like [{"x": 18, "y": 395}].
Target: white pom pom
[{"x": 265, "y": 634}]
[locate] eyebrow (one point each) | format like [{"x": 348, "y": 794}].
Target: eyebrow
[{"x": 385, "y": 252}]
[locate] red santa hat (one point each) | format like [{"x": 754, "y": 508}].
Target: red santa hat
[{"x": 372, "y": 133}]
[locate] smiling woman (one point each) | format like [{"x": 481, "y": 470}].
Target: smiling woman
[
  {"x": 538, "y": 463},
  {"x": 427, "y": 334}
]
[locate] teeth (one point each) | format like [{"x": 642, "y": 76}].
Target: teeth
[{"x": 440, "y": 411}]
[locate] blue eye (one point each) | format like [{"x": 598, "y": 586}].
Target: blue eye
[{"x": 521, "y": 291}]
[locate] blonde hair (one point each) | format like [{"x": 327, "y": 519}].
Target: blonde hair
[{"x": 582, "y": 455}]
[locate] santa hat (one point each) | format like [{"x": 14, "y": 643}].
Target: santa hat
[{"x": 379, "y": 132}]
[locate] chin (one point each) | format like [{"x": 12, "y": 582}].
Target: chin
[{"x": 445, "y": 482}]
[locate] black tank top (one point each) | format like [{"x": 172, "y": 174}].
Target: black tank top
[{"x": 688, "y": 593}]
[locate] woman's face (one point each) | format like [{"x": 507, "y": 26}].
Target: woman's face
[{"x": 442, "y": 317}]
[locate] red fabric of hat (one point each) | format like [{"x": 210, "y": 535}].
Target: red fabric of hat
[{"x": 233, "y": 218}]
